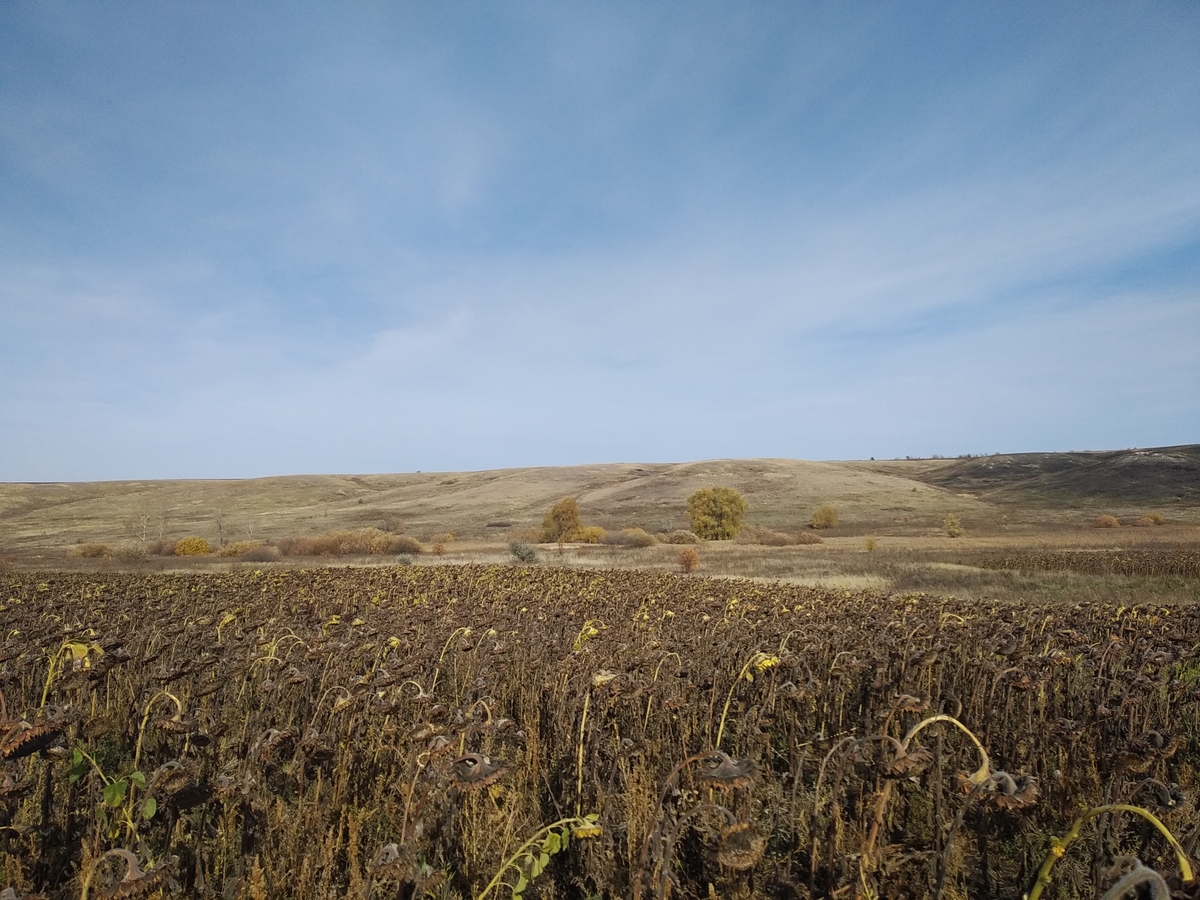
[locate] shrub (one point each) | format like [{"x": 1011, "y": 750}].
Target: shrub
[
  {"x": 161, "y": 547},
  {"x": 377, "y": 542},
  {"x": 1149, "y": 519},
  {"x": 689, "y": 560},
  {"x": 262, "y": 553},
  {"x": 630, "y": 537},
  {"x": 638, "y": 537},
  {"x": 439, "y": 549},
  {"x": 403, "y": 543},
  {"x": 237, "y": 548},
  {"x": 952, "y": 526},
  {"x": 682, "y": 536},
  {"x": 404, "y": 560},
  {"x": 193, "y": 546},
  {"x": 1107, "y": 522},
  {"x": 716, "y": 513},
  {"x": 591, "y": 534},
  {"x": 826, "y": 516},
  {"x": 754, "y": 534},
  {"x": 363, "y": 542},
  {"x": 522, "y": 552},
  {"x": 93, "y": 551},
  {"x": 768, "y": 538},
  {"x": 339, "y": 543},
  {"x": 751, "y": 534},
  {"x": 130, "y": 553},
  {"x": 296, "y": 546},
  {"x": 562, "y": 521},
  {"x": 871, "y": 545}
]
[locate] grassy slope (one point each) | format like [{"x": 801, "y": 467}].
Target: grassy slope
[
  {"x": 781, "y": 493},
  {"x": 1014, "y": 494}
]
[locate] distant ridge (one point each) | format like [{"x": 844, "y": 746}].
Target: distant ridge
[
  {"x": 914, "y": 496},
  {"x": 1155, "y": 475}
]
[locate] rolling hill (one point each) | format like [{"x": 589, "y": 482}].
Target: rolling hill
[{"x": 893, "y": 496}]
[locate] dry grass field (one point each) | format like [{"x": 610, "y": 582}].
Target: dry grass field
[
  {"x": 1005, "y": 503},
  {"x": 890, "y": 533},
  {"x": 475, "y": 505}
]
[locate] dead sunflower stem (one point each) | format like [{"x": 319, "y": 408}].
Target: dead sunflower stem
[
  {"x": 978, "y": 777},
  {"x": 1058, "y": 846},
  {"x": 758, "y": 661}
]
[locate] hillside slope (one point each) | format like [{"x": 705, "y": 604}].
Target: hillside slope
[
  {"x": 1154, "y": 476},
  {"x": 887, "y": 496},
  {"x": 781, "y": 493}
]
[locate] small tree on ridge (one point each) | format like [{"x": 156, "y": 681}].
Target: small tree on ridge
[
  {"x": 716, "y": 513},
  {"x": 826, "y": 516},
  {"x": 562, "y": 521}
]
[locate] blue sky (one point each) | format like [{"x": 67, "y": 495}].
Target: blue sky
[{"x": 254, "y": 239}]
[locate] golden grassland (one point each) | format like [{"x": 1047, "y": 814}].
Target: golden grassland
[{"x": 891, "y": 532}]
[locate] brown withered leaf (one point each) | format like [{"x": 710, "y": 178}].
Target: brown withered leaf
[
  {"x": 135, "y": 882},
  {"x": 741, "y": 846},
  {"x": 24, "y": 739},
  {"x": 904, "y": 764},
  {"x": 719, "y": 770},
  {"x": 473, "y": 771},
  {"x": 392, "y": 863}
]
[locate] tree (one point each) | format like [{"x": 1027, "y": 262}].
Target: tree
[
  {"x": 219, "y": 515},
  {"x": 562, "y": 521},
  {"x": 716, "y": 513},
  {"x": 826, "y": 516}
]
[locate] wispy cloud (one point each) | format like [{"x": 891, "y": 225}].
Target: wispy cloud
[{"x": 398, "y": 239}]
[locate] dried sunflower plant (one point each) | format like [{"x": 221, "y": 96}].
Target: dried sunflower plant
[{"x": 530, "y": 731}]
